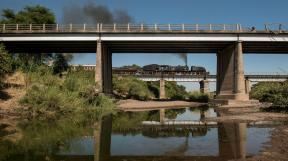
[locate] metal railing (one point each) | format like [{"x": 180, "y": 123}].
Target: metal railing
[{"x": 15, "y": 28}]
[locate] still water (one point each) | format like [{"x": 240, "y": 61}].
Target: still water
[{"x": 124, "y": 137}]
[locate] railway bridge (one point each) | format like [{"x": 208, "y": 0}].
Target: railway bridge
[{"x": 229, "y": 42}]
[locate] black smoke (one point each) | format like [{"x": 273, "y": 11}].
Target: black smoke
[
  {"x": 183, "y": 56},
  {"x": 92, "y": 13}
]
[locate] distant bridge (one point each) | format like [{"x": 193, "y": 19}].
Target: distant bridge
[{"x": 210, "y": 78}]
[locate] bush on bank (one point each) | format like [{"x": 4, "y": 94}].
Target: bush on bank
[
  {"x": 49, "y": 96},
  {"x": 273, "y": 92},
  {"x": 131, "y": 87},
  {"x": 197, "y": 96}
]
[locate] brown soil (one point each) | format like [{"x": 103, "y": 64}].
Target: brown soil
[
  {"x": 277, "y": 147},
  {"x": 246, "y": 114},
  {"x": 11, "y": 94},
  {"x": 134, "y": 105}
]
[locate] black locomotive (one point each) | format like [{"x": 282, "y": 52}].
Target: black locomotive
[{"x": 162, "y": 69}]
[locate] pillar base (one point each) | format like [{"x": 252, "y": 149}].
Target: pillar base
[
  {"x": 239, "y": 96},
  {"x": 234, "y": 103}
]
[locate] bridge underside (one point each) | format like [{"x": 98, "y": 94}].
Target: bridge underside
[{"x": 140, "y": 47}]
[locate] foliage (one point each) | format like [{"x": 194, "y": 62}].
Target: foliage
[
  {"x": 172, "y": 89},
  {"x": 51, "y": 97},
  {"x": 5, "y": 62},
  {"x": 60, "y": 64},
  {"x": 198, "y": 97},
  {"x": 29, "y": 15},
  {"x": 133, "y": 66},
  {"x": 131, "y": 87},
  {"x": 273, "y": 92},
  {"x": 175, "y": 91}
]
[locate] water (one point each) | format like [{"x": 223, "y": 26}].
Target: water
[{"x": 125, "y": 137}]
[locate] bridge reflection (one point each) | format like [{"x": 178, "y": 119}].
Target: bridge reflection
[{"x": 231, "y": 144}]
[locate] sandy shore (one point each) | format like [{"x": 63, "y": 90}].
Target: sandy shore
[{"x": 134, "y": 105}]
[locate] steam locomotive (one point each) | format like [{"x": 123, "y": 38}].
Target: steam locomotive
[{"x": 163, "y": 69}]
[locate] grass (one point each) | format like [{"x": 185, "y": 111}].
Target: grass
[{"x": 50, "y": 97}]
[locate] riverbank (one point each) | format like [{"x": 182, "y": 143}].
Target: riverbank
[
  {"x": 276, "y": 147},
  {"x": 135, "y": 105}
]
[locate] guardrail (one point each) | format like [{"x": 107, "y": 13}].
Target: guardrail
[{"x": 6, "y": 28}]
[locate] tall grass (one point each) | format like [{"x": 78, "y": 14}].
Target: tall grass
[{"x": 49, "y": 96}]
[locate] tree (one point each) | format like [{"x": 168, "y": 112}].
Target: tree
[
  {"x": 60, "y": 64},
  {"x": 29, "y": 15},
  {"x": 5, "y": 62}
]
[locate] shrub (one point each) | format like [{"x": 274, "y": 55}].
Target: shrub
[
  {"x": 198, "y": 97},
  {"x": 273, "y": 92}
]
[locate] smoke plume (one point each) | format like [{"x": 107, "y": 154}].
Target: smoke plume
[
  {"x": 93, "y": 13},
  {"x": 183, "y": 56}
]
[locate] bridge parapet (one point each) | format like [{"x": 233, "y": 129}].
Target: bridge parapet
[{"x": 24, "y": 28}]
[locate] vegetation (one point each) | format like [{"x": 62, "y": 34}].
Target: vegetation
[
  {"x": 60, "y": 64},
  {"x": 5, "y": 63},
  {"x": 172, "y": 89},
  {"x": 198, "y": 97},
  {"x": 51, "y": 97},
  {"x": 273, "y": 92},
  {"x": 29, "y": 15},
  {"x": 131, "y": 87}
]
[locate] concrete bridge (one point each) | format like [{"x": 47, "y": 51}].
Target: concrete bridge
[{"x": 229, "y": 42}]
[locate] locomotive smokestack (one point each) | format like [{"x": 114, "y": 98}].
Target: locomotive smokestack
[{"x": 183, "y": 56}]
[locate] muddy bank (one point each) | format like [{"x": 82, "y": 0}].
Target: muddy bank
[
  {"x": 128, "y": 105},
  {"x": 10, "y": 98},
  {"x": 246, "y": 114}
]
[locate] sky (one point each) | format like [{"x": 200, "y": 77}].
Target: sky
[{"x": 248, "y": 13}]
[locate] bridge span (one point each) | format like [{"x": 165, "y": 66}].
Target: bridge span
[{"x": 229, "y": 42}]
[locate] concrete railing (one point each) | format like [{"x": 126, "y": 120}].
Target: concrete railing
[{"x": 6, "y": 28}]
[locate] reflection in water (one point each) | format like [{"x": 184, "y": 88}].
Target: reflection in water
[
  {"x": 231, "y": 140},
  {"x": 124, "y": 137}
]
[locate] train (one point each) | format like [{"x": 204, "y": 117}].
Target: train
[{"x": 163, "y": 69}]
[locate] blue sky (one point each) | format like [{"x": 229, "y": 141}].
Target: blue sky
[{"x": 246, "y": 12}]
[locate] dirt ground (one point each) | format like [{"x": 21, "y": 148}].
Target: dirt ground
[{"x": 12, "y": 92}]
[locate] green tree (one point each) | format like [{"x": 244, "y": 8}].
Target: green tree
[
  {"x": 29, "y": 15},
  {"x": 5, "y": 62},
  {"x": 60, "y": 64}
]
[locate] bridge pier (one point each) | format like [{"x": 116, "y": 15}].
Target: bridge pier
[
  {"x": 232, "y": 140},
  {"x": 102, "y": 138},
  {"x": 248, "y": 86},
  {"x": 230, "y": 75},
  {"x": 103, "y": 70},
  {"x": 204, "y": 86},
  {"x": 162, "y": 94}
]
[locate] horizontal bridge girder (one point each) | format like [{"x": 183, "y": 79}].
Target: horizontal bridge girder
[{"x": 144, "y": 42}]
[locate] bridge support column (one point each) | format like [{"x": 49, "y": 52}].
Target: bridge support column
[
  {"x": 247, "y": 85},
  {"x": 102, "y": 138},
  {"x": 103, "y": 71},
  {"x": 204, "y": 86},
  {"x": 232, "y": 140},
  {"x": 162, "y": 94},
  {"x": 230, "y": 74},
  {"x": 162, "y": 115}
]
